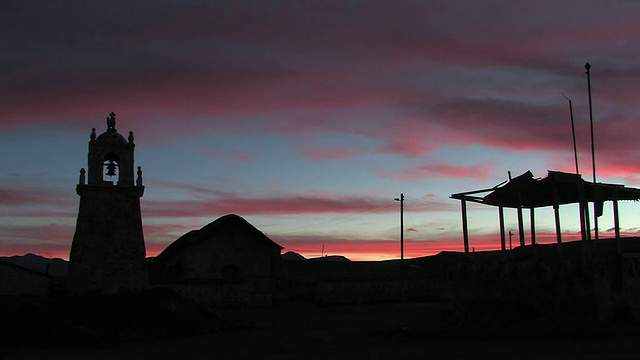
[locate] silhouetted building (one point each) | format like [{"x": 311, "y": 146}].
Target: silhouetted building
[
  {"x": 229, "y": 249},
  {"x": 17, "y": 280},
  {"x": 108, "y": 252},
  {"x": 558, "y": 188}
]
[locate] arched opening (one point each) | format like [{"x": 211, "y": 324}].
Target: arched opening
[{"x": 111, "y": 169}]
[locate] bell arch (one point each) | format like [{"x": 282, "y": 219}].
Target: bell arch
[{"x": 111, "y": 168}]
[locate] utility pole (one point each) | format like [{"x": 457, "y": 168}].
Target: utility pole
[
  {"x": 593, "y": 150},
  {"x": 401, "y": 199}
]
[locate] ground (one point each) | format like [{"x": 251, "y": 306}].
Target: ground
[{"x": 357, "y": 331}]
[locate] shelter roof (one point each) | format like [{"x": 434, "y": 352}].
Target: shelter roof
[{"x": 558, "y": 187}]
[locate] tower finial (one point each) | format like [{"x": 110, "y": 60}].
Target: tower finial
[{"x": 111, "y": 121}]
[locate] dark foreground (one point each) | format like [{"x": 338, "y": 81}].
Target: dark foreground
[
  {"x": 536, "y": 303},
  {"x": 366, "y": 331}
]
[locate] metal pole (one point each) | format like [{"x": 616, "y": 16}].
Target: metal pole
[
  {"x": 573, "y": 131},
  {"x": 503, "y": 245},
  {"x": 465, "y": 226},
  {"x": 533, "y": 225},
  {"x": 520, "y": 226},
  {"x": 401, "y": 199},
  {"x": 593, "y": 149},
  {"x": 401, "y": 226}
]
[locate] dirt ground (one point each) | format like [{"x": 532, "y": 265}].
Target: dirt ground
[{"x": 369, "y": 331}]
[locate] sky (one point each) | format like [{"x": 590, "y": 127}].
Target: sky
[{"x": 308, "y": 118}]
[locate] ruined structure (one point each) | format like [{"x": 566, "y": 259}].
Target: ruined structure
[{"x": 108, "y": 252}]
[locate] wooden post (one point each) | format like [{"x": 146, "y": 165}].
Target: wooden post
[
  {"x": 533, "y": 226},
  {"x": 556, "y": 211},
  {"x": 503, "y": 242},
  {"x": 616, "y": 222},
  {"x": 520, "y": 221},
  {"x": 520, "y": 226},
  {"x": 465, "y": 229},
  {"x": 584, "y": 217}
]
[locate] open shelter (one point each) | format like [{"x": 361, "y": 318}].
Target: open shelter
[{"x": 558, "y": 188}]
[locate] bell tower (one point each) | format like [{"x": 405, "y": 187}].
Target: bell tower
[{"x": 108, "y": 252}]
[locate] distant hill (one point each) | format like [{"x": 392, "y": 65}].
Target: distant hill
[
  {"x": 331, "y": 258},
  {"x": 292, "y": 256},
  {"x": 53, "y": 267}
]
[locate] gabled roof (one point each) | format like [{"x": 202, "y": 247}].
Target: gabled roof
[
  {"x": 563, "y": 188},
  {"x": 225, "y": 224}
]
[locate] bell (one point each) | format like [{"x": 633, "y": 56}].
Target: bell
[{"x": 111, "y": 168}]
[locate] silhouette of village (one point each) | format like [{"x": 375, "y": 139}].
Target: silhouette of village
[{"x": 229, "y": 277}]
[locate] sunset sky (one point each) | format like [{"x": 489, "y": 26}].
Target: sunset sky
[{"x": 308, "y": 118}]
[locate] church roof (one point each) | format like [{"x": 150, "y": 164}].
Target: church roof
[
  {"x": 112, "y": 136},
  {"x": 225, "y": 224}
]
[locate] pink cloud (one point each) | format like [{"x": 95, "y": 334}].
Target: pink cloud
[
  {"x": 194, "y": 189},
  {"x": 282, "y": 205},
  {"x": 411, "y": 147},
  {"x": 319, "y": 154},
  {"x": 185, "y": 70},
  {"x": 21, "y": 196},
  {"x": 211, "y": 202},
  {"x": 32, "y": 202},
  {"x": 236, "y": 157},
  {"x": 43, "y": 233},
  {"x": 441, "y": 170}
]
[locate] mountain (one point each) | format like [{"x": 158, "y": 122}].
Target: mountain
[{"x": 53, "y": 267}]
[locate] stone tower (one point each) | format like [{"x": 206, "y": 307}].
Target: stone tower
[{"x": 108, "y": 252}]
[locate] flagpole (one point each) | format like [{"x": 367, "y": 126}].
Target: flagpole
[{"x": 587, "y": 66}]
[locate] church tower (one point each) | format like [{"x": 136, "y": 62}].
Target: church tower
[{"x": 108, "y": 252}]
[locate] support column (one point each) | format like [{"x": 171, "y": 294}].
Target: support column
[
  {"x": 533, "y": 225},
  {"x": 584, "y": 222},
  {"x": 503, "y": 242},
  {"x": 465, "y": 229},
  {"x": 587, "y": 220},
  {"x": 520, "y": 226},
  {"x": 616, "y": 222},
  {"x": 556, "y": 213}
]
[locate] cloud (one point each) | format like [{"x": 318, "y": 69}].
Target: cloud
[
  {"x": 328, "y": 153},
  {"x": 281, "y": 205},
  {"x": 42, "y": 233},
  {"x": 17, "y": 196},
  {"x": 32, "y": 202},
  {"x": 479, "y": 172},
  {"x": 235, "y": 157},
  {"x": 246, "y": 67}
]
